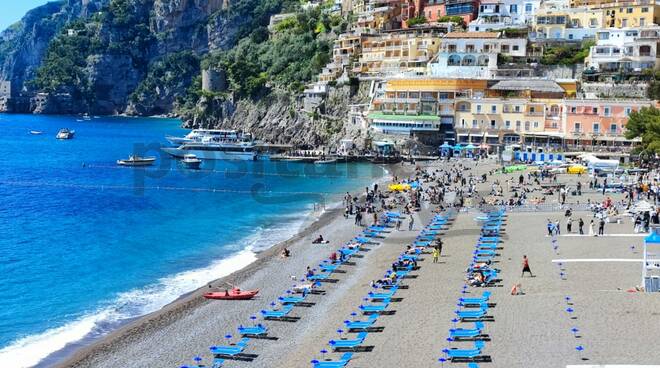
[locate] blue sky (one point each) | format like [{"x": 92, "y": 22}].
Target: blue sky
[{"x": 13, "y": 10}]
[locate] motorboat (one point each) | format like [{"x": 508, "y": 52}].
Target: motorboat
[
  {"x": 191, "y": 161},
  {"x": 233, "y": 294},
  {"x": 65, "y": 134},
  {"x": 36, "y": 132},
  {"x": 137, "y": 161}
]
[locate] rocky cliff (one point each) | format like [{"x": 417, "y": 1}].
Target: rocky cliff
[{"x": 280, "y": 118}]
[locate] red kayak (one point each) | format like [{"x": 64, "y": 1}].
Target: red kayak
[{"x": 233, "y": 294}]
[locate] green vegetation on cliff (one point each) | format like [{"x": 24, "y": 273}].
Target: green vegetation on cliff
[
  {"x": 292, "y": 56},
  {"x": 568, "y": 54}
]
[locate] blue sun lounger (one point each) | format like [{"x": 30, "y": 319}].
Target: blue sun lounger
[
  {"x": 484, "y": 298},
  {"x": 329, "y": 267},
  {"x": 363, "y": 240},
  {"x": 218, "y": 363},
  {"x": 485, "y": 252},
  {"x": 489, "y": 239},
  {"x": 375, "y": 307},
  {"x": 257, "y": 330},
  {"x": 418, "y": 243},
  {"x": 465, "y": 353},
  {"x": 350, "y": 344},
  {"x": 386, "y": 295},
  {"x": 361, "y": 325},
  {"x": 487, "y": 246},
  {"x": 345, "y": 358},
  {"x": 481, "y": 312},
  {"x": 230, "y": 350},
  {"x": 467, "y": 332},
  {"x": 291, "y": 299},
  {"x": 277, "y": 313},
  {"x": 319, "y": 276}
]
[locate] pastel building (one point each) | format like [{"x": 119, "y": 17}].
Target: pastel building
[
  {"x": 622, "y": 14},
  {"x": 466, "y": 9},
  {"x": 598, "y": 122},
  {"x": 434, "y": 9},
  {"x": 398, "y": 52},
  {"x": 496, "y": 15},
  {"x": 570, "y": 24},
  {"x": 624, "y": 50}
]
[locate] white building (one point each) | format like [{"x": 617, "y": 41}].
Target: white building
[
  {"x": 464, "y": 65},
  {"x": 483, "y": 43},
  {"x": 496, "y": 15},
  {"x": 627, "y": 50}
]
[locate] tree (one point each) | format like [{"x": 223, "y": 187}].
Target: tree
[{"x": 645, "y": 123}]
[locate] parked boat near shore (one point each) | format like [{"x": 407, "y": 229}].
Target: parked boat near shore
[
  {"x": 137, "y": 161},
  {"x": 65, "y": 134}
]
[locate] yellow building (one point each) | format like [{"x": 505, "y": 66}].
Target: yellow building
[
  {"x": 397, "y": 52},
  {"x": 622, "y": 14}
]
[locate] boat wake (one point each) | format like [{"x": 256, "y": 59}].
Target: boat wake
[{"x": 53, "y": 345}]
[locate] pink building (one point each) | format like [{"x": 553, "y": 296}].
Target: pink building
[{"x": 598, "y": 122}]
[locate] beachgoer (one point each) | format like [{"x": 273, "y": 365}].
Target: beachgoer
[
  {"x": 601, "y": 227},
  {"x": 411, "y": 223},
  {"x": 551, "y": 227},
  {"x": 581, "y": 226},
  {"x": 525, "y": 264},
  {"x": 558, "y": 227},
  {"x": 319, "y": 240},
  {"x": 398, "y": 224},
  {"x": 285, "y": 253},
  {"x": 436, "y": 255},
  {"x": 569, "y": 224},
  {"x": 591, "y": 228}
]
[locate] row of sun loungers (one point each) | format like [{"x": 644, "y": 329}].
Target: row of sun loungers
[
  {"x": 288, "y": 302},
  {"x": 379, "y": 303},
  {"x": 474, "y": 310}
]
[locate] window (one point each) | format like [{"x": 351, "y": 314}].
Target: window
[
  {"x": 478, "y": 108},
  {"x": 474, "y": 123},
  {"x": 532, "y": 109},
  {"x": 595, "y": 110},
  {"x": 642, "y": 22},
  {"x": 492, "y": 124},
  {"x": 613, "y": 128},
  {"x": 570, "y": 36},
  {"x": 401, "y": 95},
  {"x": 593, "y": 22},
  {"x": 573, "y": 109},
  {"x": 528, "y": 8},
  {"x": 624, "y": 22},
  {"x": 463, "y": 123},
  {"x": 645, "y": 10},
  {"x": 629, "y": 10},
  {"x": 606, "y": 111},
  {"x": 516, "y": 47},
  {"x": 493, "y": 109},
  {"x": 517, "y": 108},
  {"x": 507, "y": 124},
  {"x": 596, "y": 128},
  {"x": 577, "y": 127},
  {"x": 536, "y": 124},
  {"x": 603, "y": 35},
  {"x": 513, "y": 8},
  {"x": 628, "y": 110},
  {"x": 414, "y": 94},
  {"x": 527, "y": 125},
  {"x": 517, "y": 124}
]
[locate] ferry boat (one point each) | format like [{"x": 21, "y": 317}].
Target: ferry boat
[
  {"x": 65, "y": 134},
  {"x": 137, "y": 161},
  {"x": 198, "y": 135},
  {"x": 230, "y": 145}
]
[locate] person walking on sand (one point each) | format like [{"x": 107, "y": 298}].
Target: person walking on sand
[
  {"x": 358, "y": 218},
  {"x": 581, "y": 226},
  {"x": 551, "y": 227},
  {"x": 436, "y": 255},
  {"x": 569, "y": 224},
  {"x": 558, "y": 227},
  {"x": 398, "y": 224},
  {"x": 601, "y": 227},
  {"x": 525, "y": 264},
  {"x": 591, "y": 228},
  {"x": 411, "y": 223}
]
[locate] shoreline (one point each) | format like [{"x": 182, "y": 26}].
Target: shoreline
[{"x": 77, "y": 353}]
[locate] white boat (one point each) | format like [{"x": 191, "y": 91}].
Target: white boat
[
  {"x": 198, "y": 135},
  {"x": 229, "y": 145},
  {"x": 191, "y": 161},
  {"x": 136, "y": 161},
  {"x": 65, "y": 134},
  {"x": 325, "y": 162},
  {"x": 36, "y": 132}
]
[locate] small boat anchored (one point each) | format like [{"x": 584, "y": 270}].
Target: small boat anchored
[
  {"x": 325, "y": 161},
  {"x": 65, "y": 134},
  {"x": 136, "y": 161},
  {"x": 191, "y": 161},
  {"x": 36, "y": 132},
  {"x": 233, "y": 294}
]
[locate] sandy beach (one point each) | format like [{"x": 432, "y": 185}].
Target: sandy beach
[{"x": 530, "y": 330}]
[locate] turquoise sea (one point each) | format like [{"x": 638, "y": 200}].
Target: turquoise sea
[{"x": 86, "y": 245}]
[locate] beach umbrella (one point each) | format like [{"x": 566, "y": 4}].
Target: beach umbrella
[
  {"x": 197, "y": 360},
  {"x": 575, "y": 330},
  {"x": 454, "y": 321},
  {"x": 442, "y": 360},
  {"x": 340, "y": 331},
  {"x": 323, "y": 352}
]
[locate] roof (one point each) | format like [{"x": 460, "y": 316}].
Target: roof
[
  {"x": 538, "y": 85},
  {"x": 472, "y": 35},
  {"x": 378, "y": 116}
]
